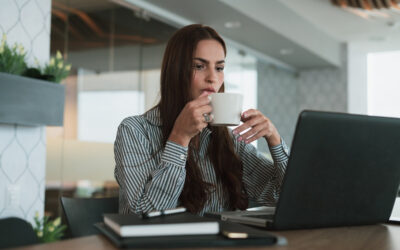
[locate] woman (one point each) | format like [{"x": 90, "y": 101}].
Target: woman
[{"x": 171, "y": 157}]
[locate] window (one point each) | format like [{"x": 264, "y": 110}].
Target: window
[
  {"x": 241, "y": 77},
  {"x": 384, "y": 84}
]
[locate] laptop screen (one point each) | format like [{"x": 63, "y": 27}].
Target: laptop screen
[{"x": 343, "y": 169}]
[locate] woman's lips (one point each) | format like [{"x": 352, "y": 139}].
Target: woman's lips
[{"x": 208, "y": 91}]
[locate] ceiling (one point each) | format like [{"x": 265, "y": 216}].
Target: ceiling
[
  {"x": 261, "y": 39},
  {"x": 84, "y": 25},
  {"x": 346, "y": 26},
  {"x": 294, "y": 34}
]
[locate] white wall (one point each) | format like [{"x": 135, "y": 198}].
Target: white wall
[
  {"x": 357, "y": 86},
  {"x": 384, "y": 83},
  {"x": 23, "y": 148},
  {"x": 73, "y": 160},
  {"x": 358, "y": 71}
]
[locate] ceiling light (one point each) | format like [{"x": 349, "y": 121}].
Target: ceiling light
[
  {"x": 233, "y": 25},
  {"x": 286, "y": 52}
]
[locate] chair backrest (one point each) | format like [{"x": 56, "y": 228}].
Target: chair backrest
[
  {"x": 82, "y": 213},
  {"x": 15, "y": 232}
]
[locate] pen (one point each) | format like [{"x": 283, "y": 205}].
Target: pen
[{"x": 157, "y": 213}]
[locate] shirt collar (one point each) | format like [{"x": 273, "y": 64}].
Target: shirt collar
[{"x": 153, "y": 116}]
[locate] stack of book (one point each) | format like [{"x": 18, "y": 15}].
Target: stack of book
[
  {"x": 179, "y": 230},
  {"x": 131, "y": 225}
]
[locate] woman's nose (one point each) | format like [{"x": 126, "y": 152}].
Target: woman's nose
[{"x": 211, "y": 76}]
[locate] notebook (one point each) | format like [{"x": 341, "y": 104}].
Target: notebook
[
  {"x": 132, "y": 225},
  {"x": 255, "y": 238},
  {"x": 343, "y": 170}
]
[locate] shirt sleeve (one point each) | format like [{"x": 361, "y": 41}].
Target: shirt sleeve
[
  {"x": 262, "y": 177},
  {"x": 148, "y": 180}
]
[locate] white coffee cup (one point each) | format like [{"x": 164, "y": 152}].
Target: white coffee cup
[{"x": 227, "y": 109}]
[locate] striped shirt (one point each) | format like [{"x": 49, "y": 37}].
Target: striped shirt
[{"x": 151, "y": 177}]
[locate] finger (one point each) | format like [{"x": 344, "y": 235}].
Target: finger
[
  {"x": 201, "y": 100},
  {"x": 208, "y": 118},
  {"x": 248, "y": 124},
  {"x": 205, "y": 93},
  {"x": 251, "y": 139},
  {"x": 201, "y": 126},
  {"x": 255, "y": 131},
  {"x": 238, "y": 130},
  {"x": 246, "y": 115},
  {"x": 258, "y": 135},
  {"x": 202, "y": 115},
  {"x": 206, "y": 109}
]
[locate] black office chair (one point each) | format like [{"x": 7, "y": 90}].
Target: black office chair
[
  {"x": 16, "y": 232},
  {"x": 82, "y": 213}
]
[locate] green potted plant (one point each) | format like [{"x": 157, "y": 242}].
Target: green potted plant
[
  {"x": 12, "y": 60},
  {"x": 31, "y": 95},
  {"x": 48, "y": 230}
]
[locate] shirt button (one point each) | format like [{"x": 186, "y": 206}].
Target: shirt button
[{"x": 182, "y": 156}]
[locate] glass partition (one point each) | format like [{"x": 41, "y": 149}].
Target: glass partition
[{"x": 116, "y": 55}]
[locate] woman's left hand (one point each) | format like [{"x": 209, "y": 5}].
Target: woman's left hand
[{"x": 259, "y": 126}]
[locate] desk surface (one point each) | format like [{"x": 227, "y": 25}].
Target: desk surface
[{"x": 362, "y": 237}]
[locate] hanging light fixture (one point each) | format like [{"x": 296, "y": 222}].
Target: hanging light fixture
[
  {"x": 368, "y": 4},
  {"x": 386, "y": 9}
]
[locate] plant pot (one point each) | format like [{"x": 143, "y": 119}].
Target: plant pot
[{"x": 29, "y": 101}]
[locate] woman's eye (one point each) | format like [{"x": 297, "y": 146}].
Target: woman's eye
[
  {"x": 198, "y": 66},
  {"x": 220, "y": 69}
]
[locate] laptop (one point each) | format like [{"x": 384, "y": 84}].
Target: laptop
[{"x": 343, "y": 170}]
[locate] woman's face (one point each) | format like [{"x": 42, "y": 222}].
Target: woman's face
[{"x": 208, "y": 68}]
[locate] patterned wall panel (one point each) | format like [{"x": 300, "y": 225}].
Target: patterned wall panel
[
  {"x": 27, "y": 22},
  {"x": 282, "y": 95},
  {"x": 22, "y": 170},
  {"x": 322, "y": 89},
  {"x": 23, "y": 148},
  {"x": 277, "y": 100}
]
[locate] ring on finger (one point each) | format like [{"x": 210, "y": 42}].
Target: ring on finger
[{"x": 207, "y": 118}]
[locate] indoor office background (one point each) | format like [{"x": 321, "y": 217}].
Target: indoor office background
[
  {"x": 116, "y": 53},
  {"x": 283, "y": 64}
]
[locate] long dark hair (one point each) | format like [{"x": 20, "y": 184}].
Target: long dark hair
[{"x": 176, "y": 75}]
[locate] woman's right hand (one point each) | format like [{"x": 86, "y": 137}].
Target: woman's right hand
[{"x": 191, "y": 120}]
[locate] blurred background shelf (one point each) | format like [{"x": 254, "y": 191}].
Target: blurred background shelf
[{"x": 28, "y": 101}]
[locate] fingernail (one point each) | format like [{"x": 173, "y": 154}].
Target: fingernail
[
  {"x": 240, "y": 138},
  {"x": 234, "y": 132},
  {"x": 209, "y": 97},
  {"x": 244, "y": 115}
]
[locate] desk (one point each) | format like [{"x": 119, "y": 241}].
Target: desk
[{"x": 363, "y": 237}]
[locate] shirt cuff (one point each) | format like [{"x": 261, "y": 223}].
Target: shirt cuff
[
  {"x": 174, "y": 154},
  {"x": 279, "y": 152}
]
